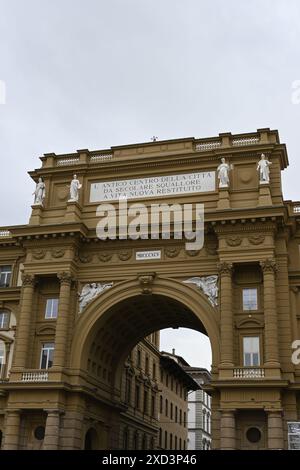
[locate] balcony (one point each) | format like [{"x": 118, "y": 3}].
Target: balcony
[
  {"x": 248, "y": 373},
  {"x": 35, "y": 376}
]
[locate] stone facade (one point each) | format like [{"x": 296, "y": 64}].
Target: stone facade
[{"x": 251, "y": 243}]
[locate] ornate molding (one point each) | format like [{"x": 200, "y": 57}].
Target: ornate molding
[
  {"x": 256, "y": 239},
  {"x": 146, "y": 280},
  {"x": 105, "y": 256},
  {"x": 90, "y": 292},
  {"x": 225, "y": 268},
  {"x": 208, "y": 285},
  {"x": 124, "y": 255},
  {"x": 38, "y": 254},
  {"x": 172, "y": 251},
  {"x": 234, "y": 240},
  {"x": 192, "y": 252},
  {"x": 57, "y": 253},
  {"x": 85, "y": 257},
  {"x": 269, "y": 266},
  {"x": 28, "y": 280},
  {"x": 65, "y": 277}
]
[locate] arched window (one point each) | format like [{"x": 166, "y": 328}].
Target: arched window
[
  {"x": 161, "y": 404},
  {"x": 204, "y": 419},
  {"x": 207, "y": 422},
  {"x": 167, "y": 407}
]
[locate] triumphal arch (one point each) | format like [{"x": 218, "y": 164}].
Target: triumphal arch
[{"x": 73, "y": 304}]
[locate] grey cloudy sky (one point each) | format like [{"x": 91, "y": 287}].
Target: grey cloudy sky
[{"x": 97, "y": 73}]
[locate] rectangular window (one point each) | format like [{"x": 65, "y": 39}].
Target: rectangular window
[
  {"x": 47, "y": 354},
  {"x": 5, "y": 275},
  {"x": 249, "y": 299},
  {"x": 251, "y": 351},
  {"x": 137, "y": 397},
  {"x": 4, "y": 320},
  {"x": 153, "y": 406},
  {"x": 51, "y": 308},
  {"x": 2, "y": 358},
  {"x": 145, "y": 402},
  {"x": 139, "y": 358}
]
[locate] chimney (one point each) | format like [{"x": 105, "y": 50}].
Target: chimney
[{"x": 173, "y": 351}]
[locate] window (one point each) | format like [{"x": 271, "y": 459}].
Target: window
[
  {"x": 4, "y": 320},
  {"x": 180, "y": 443},
  {"x": 139, "y": 358},
  {"x": 167, "y": 407},
  {"x": 128, "y": 390},
  {"x": 175, "y": 446},
  {"x": 160, "y": 437},
  {"x": 154, "y": 371},
  {"x": 176, "y": 414},
  {"x": 171, "y": 411},
  {"x": 136, "y": 440},
  {"x": 5, "y": 275},
  {"x": 180, "y": 416},
  {"x": 204, "y": 420},
  {"x": 51, "y": 308},
  {"x": 167, "y": 380},
  {"x": 160, "y": 404},
  {"x": 2, "y": 358},
  {"x": 147, "y": 365},
  {"x": 153, "y": 406},
  {"x": 137, "y": 397},
  {"x": 172, "y": 384},
  {"x": 125, "y": 439},
  {"x": 249, "y": 299},
  {"x": 184, "y": 419},
  {"x": 207, "y": 423},
  {"x": 171, "y": 441},
  {"x": 47, "y": 355},
  {"x": 145, "y": 402},
  {"x": 251, "y": 351},
  {"x": 166, "y": 440}
]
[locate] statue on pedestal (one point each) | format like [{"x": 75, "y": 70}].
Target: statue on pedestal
[
  {"x": 223, "y": 173},
  {"x": 264, "y": 170},
  {"x": 39, "y": 193},
  {"x": 74, "y": 189}
]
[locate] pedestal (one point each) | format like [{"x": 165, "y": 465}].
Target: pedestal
[
  {"x": 73, "y": 212},
  {"x": 36, "y": 215},
  {"x": 224, "y": 201},
  {"x": 264, "y": 198}
]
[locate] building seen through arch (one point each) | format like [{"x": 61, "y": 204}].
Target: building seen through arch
[{"x": 74, "y": 306}]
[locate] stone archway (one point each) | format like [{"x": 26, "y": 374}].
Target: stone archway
[{"x": 202, "y": 316}]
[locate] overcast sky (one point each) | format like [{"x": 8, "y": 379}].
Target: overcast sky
[{"x": 97, "y": 73}]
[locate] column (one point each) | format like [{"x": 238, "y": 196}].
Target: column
[
  {"x": 12, "y": 430},
  {"x": 228, "y": 430},
  {"x": 62, "y": 322},
  {"x": 225, "y": 270},
  {"x": 275, "y": 430},
  {"x": 51, "y": 439},
  {"x": 23, "y": 328},
  {"x": 270, "y": 313}
]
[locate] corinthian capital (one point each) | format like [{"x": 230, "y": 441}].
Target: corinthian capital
[
  {"x": 64, "y": 277},
  {"x": 28, "y": 280},
  {"x": 225, "y": 268},
  {"x": 269, "y": 266}
]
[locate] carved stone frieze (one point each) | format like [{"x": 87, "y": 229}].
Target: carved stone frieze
[
  {"x": 124, "y": 255},
  {"x": 172, "y": 251},
  {"x": 105, "y": 256},
  {"x": 38, "y": 254},
  {"x": 57, "y": 252},
  {"x": 234, "y": 240},
  {"x": 256, "y": 239}
]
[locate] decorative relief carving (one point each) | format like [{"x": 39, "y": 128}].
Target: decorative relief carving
[
  {"x": 105, "y": 256},
  {"x": 233, "y": 240},
  {"x": 269, "y": 266},
  {"x": 39, "y": 254},
  {"x": 57, "y": 253},
  {"x": 85, "y": 257},
  {"x": 146, "y": 280},
  {"x": 28, "y": 280},
  {"x": 90, "y": 292},
  {"x": 192, "y": 252},
  {"x": 225, "y": 268},
  {"x": 124, "y": 255},
  {"x": 209, "y": 286},
  {"x": 65, "y": 277},
  {"x": 172, "y": 251},
  {"x": 256, "y": 239}
]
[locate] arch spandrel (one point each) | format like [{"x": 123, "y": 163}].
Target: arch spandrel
[{"x": 102, "y": 306}]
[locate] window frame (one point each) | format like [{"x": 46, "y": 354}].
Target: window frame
[
  {"x": 50, "y": 299},
  {"x": 5, "y": 326},
  {"x": 9, "y": 273},
  {"x": 258, "y": 336},
  {"x": 248, "y": 288},
  {"x": 43, "y": 348}
]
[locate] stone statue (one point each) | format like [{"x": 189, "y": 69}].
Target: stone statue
[
  {"x": 223, "y": 173},
  {"x": 209, "y": 286},
  {"x": 90, "y": 291},
  {"x": 39, "y": 193},
  {"x": 74, "y": 189},
  {"x": 263, "y": 168}
]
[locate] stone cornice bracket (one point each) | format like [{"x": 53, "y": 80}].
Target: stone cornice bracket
[
  {"x": 225, "y": 268},
  {"x": 146, "y": 281},
  {"x": 28, "y": 280},
  {"x": 269, "y": 266},
  {"x": 65, "y": 277}
]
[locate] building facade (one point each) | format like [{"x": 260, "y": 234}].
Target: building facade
[
  {"x": 73, "y": 306},
  {"x": 199, "y": 411}
]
